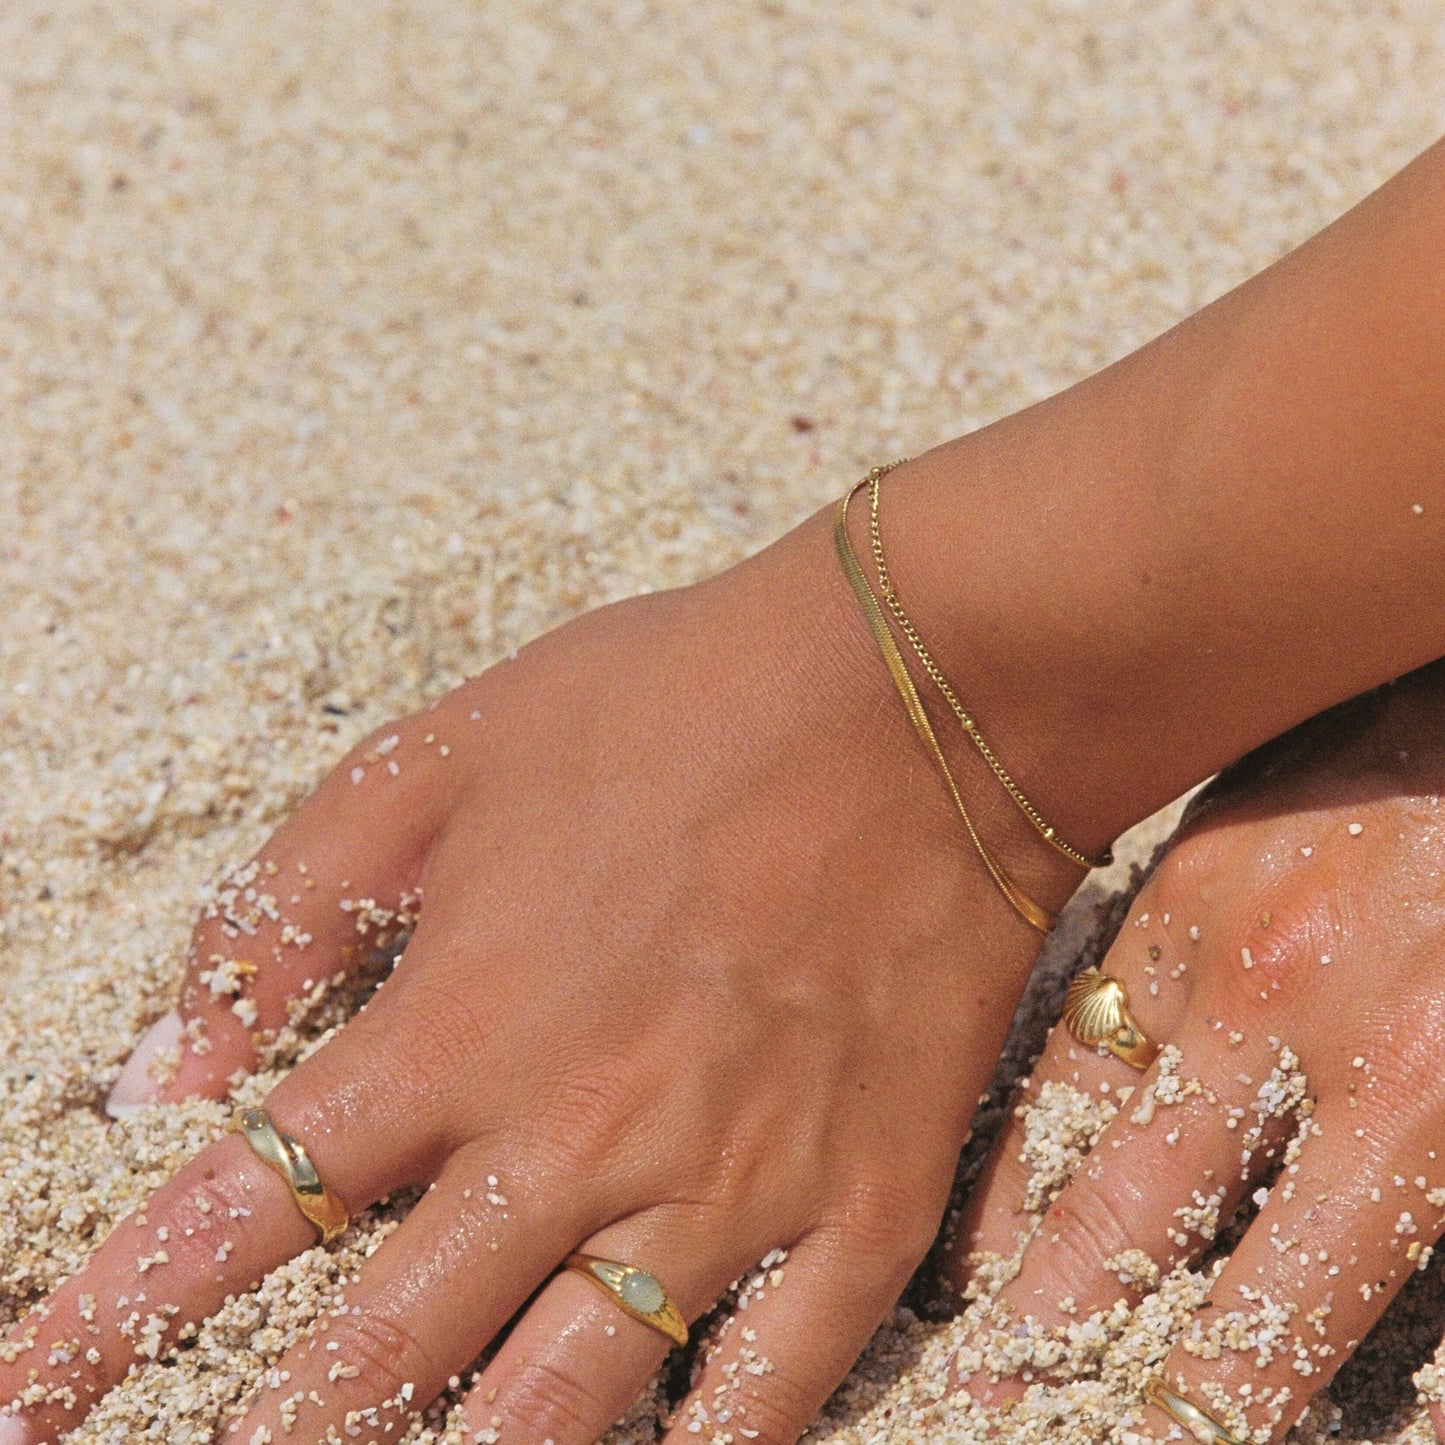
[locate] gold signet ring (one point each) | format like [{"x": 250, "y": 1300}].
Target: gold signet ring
[
  {"x": 290, "y": 1160},
  {"x": 1096, "y": 1011},
  {"x": 1197, "y": 1421},
  {"x": 635, "y": 1291}
]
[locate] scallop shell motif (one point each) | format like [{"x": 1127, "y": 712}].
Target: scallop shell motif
[{"x": 1095, "y": 1008}]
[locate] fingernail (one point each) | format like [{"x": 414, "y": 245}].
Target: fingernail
[
  {"x": 13, "y": 1431},
  {"x": 135, "y": 1088}
]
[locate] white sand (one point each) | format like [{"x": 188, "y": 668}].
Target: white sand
[{"x": 344, "y": 347}]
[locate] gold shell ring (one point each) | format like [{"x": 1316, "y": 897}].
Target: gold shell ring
[{"x": 1096, "y": 1012}]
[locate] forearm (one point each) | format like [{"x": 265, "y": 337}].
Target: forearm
[{"x": 1239, "y": 524}]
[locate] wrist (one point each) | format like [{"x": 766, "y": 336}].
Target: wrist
[
  {"x": 1142, "y": 578},
  {"x": 1046, "y": 563},
  {"x": 855, "y": 715}
]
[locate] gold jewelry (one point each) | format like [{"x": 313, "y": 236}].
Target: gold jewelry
[
  {"x": 634, "y": 1290},
  {"x": 290, "y": 1160},
  {"x": 1031, "y": 912},
  {"x": 885, "y": 586},
  {"x": 1194, "y": 1418},
  {"x": 1096, "y": 1011}
]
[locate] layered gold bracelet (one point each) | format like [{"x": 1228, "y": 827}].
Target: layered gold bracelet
[{"x": 1032, "y": 912}]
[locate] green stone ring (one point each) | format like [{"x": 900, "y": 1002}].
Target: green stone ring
[{"x": 638, "y": 1293}]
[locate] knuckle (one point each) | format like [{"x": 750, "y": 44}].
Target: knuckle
[
  {"x": 590, "y": 1113},
  {"x": 550, "y": 1402},
  {"x": 85, "y": 1350},
  {"x": 454, "y": 1023},
  {"x": 778, "y": 1408},
  {"x": 203, "y": 1214},
  {"x": 1275, "y": 955},
  {"x": 882, "y": 1219},
  {"x": 378, "y": 1345},
  {"x": 54, "y": 1370},
  {"x": 1081, "y": 1231},
  {"x": 1401, "y": 1079}
]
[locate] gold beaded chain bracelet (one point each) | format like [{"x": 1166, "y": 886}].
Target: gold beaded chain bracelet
[{"x": 1031, "y": 912}]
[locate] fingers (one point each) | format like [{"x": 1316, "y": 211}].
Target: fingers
[
  {"x": 480, "y": 1241},
  {"x": 1026, "y": 1169},
  {"x": 773, "y": 1364},
  {"x": 214, "y": 1229},
  {"x": 1166, "y": 1173},
  {"x": 576, "y": 1360},
  {"x": 335, "y": 881},
  {"x": 1346, "y": 1225},
  {"x": 226, "y": 1219}
]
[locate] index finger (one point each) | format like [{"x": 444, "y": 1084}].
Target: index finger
[
  {"x": 306, "y": 907},
  {"x": 214, "y": 1229},
  {"x": 221, "y": 1223}
]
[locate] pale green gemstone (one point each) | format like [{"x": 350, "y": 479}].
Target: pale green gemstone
[{"x": 642, "y": 1292}]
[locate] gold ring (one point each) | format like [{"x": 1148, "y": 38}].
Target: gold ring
[
  {"x": 289, "y": 1159},
  {"x": 634, "y": 1290},
  {"x": 1195, "y": 1419},
  {"x": 1096, "y": 1011}
]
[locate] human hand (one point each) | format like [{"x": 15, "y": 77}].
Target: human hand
[
  {"x": 705, "y": 969},
  {"x": 1288, "y": 948}
]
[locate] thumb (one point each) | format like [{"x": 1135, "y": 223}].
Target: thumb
[{"x": 340, "y": 878}]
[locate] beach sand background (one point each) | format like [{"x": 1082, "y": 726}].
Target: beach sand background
[{"x": 344, "y": 347}]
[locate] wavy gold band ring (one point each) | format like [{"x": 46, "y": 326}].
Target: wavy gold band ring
[
  {"x": 288, "y": 1157},
  {"x": 634, "y": 1291},
  {"x": 1096, "y": 1012}
]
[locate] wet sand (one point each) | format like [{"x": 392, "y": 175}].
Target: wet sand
[{"x": 344, "y": 349}]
